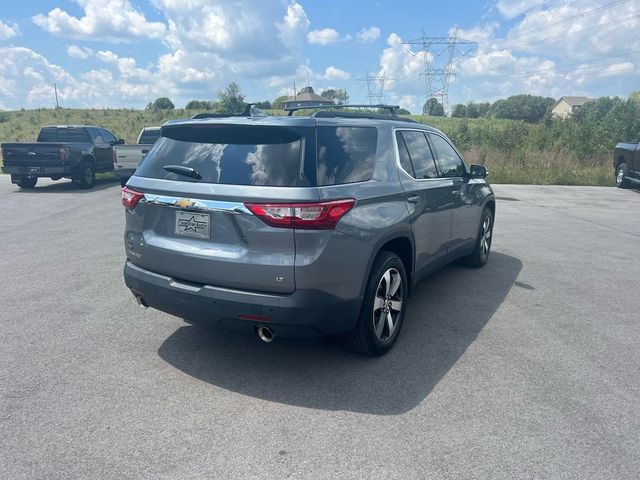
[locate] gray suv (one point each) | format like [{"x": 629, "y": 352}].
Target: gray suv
[{"x": 301, "y": 226}]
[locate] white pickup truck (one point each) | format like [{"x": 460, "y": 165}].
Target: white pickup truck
[{"x": 127, "y": 157}]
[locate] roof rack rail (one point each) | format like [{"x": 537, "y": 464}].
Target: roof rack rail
[
  {"x": 370, "y": 116},
  {"x": 249, "y": 111},
  {"x": 393, "y": 109}
]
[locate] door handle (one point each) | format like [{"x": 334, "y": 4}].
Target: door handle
[{"x": 413, "y": 199}]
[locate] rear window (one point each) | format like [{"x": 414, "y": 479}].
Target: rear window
[
  {"x": 149, "y": 137},
  {"x": 346, "y": 154},
  {"x": 237, "y": 155},
  {"x": 54, "y": 134}
]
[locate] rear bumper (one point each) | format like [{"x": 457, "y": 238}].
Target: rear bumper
[
  {"x": 38, "y": 171},
  {"x": 304, "y": 313}
]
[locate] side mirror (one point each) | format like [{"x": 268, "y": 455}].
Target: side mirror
[
  {"x": 121, "y": 141},
  {"x": 478, "y": 171}
]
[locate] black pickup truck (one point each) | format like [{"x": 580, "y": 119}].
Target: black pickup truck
[
  {"x": 626, "y": 161},
  {"x": 71, "y": 151}
]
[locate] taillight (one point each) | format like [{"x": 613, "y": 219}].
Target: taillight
[
  {"x": 130, "y": 198},
  {"x": 312, "y": 216},
  {"x": 63, "y": 154},
  {"x": 114, "y": 157}
]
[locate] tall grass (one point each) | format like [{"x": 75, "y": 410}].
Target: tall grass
[{"x": 513, "y": 151}]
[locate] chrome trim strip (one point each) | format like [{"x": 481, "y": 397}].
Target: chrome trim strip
[{"x": 199, "y": 204}]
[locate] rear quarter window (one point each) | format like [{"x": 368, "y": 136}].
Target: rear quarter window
[{"x": 346, "y": 154}]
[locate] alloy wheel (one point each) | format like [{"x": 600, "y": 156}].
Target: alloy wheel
[{"x": 387, "y": 304}]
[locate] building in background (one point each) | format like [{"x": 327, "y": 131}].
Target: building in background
[
  {"x": 307, "y": 98},
  {"x": 566, "y": 106}
]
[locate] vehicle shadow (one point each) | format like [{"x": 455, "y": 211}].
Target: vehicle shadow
[
  {"x": 67, "y": 186},
  {"x": 445, "y": 315}
]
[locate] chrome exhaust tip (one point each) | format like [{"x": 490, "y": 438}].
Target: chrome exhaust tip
[{"x": 265, "y": 334}]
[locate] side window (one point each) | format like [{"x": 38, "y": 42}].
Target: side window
[
  {"x": 95, "y": 135},
  {"x": 346, "y": 154},
  {"x": 450, "y": 162},
  {"x": 108, "y": 136},
  {"x": 420, "y": 154},
  {"x": 405, "y": 159}
]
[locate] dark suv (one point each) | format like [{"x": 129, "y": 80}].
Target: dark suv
[{"x": 301, "y": 226}]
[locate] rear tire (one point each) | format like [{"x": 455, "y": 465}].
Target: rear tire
[
  {"x": 383, "y": 308},
  {"x": 87, "y": 175},
  {"x": 482, "y": 249},
  {"x": 27, "y": 182},
  {"x": 621, "y": 174}
]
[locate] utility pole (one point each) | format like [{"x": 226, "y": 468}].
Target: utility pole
[
  {"x": 375, "y": 88},
  {"x": 438, "y": 54},
  {"x": 55, "y": 89}
]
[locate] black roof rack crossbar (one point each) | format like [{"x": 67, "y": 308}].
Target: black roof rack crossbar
[
  {"x": 370, "y": 116},
  {"x": 249, "y": 111},
  {"x": 393, "y": 109}
]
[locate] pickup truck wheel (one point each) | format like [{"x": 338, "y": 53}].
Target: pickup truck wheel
[
  {"x": 27, "y": 182},
  {"x": 382, "y": 312},
  {"x": 481, "y": 251},
  {"x": 87, "y": 175},
  {"x": 621, "y": 173}
]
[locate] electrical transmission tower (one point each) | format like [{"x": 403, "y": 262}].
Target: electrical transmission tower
[
  {"x": 438, "y": 54},
  {"x": 375, "y": 88}
]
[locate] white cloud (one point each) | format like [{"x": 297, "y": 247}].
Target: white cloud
[
  {"x": 113, "y": 21},
  {"x": 324, "y": 36},
  {"x": 8, "y": 31},
  {"x": 617, "y": 69},
  {"x": 368, "y": 35},
  {"x": 513, "y": 8},
  {"x": 74, "y": 51},
  {"x": 333, "y": 73}
]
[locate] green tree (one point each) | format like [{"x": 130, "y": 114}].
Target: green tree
[
  {"x": 163, "y": 103},
  {"x": 265, "y": 105},
  {"x": 200, "y": 105},
  {"x": 459, "y": 111},
  {"x": 338, "y": 95},
  {"x": 529, "y": 108},
  {"x": 433, "y": 107},
  {"x": 635, "y": 96},
  {"x": 278, "y": 102},
  {"x": 476, "y": 110},
  {"x": 403, "y": 111},
  {"x": 231, "y": 100}
]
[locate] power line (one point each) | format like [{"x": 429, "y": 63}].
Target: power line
[
  {"x": 438, "y": 54},
  {"x": 375, "y": 87},
  {"x": 564, "y": 20}
]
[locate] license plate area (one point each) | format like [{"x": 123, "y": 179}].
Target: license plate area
[{"x": 189, "y": 224}]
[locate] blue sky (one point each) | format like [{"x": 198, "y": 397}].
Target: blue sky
[{"x": 125, "y": 53}]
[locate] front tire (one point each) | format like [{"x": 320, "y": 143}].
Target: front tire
[
  {"x": 481, "y": 251},
  {"x": 383, "y": 308},
  {"x": 87, "y": 175},
  {"x": 621, "y": 173},
  {"x": 27, "y": 182}
]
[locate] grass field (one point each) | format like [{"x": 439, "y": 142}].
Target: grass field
[{"x": 513, "y": 152}]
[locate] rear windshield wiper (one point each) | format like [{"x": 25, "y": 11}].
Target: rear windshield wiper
[{"x": 182, "y": 170}]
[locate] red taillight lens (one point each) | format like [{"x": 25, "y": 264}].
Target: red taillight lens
[
  {"x": 114, "y": 157},
  {"x": 63, "y": 153},
  {"x": 130, "y": 198},
  {"x": 312, "y": 216}
]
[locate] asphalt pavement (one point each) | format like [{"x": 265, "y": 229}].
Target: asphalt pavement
[{"x": 527, "y": 368}]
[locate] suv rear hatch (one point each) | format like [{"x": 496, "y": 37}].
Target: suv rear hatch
[{"x": 193, "y": 223}]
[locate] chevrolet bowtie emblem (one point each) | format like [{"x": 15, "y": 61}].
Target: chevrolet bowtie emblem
[{"x": 185, "y": 203}]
